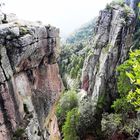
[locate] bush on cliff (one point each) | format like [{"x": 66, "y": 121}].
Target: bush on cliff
[
  {"x": 19, "y": 133},
  {"x": 120, "y": 2},
  {"x": 76, "y": 117},
  {"x": 129, "y": 84},
  {"x": 87, "y": 118},
  {"x": 71, "y": 63},
  {"x": 70, "y": 127},
  {"x": 67, "y": 102},
  {"x": 113, "y": 123}
]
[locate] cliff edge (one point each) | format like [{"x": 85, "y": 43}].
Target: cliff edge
[{"x": 30, "y": 83}]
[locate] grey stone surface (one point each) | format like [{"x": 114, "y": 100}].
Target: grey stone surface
[
  {"x": 2, "y": 77},
  {"x": 5, "y": 63},
  {"x": 113, "y": 39},
  {"x": 29, "y": 83}
]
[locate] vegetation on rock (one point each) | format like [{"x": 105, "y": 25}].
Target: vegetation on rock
[
  {"x": 67, "y": 102},
  {"x": 19, "y": 133},
  {"x": 129, "y": 84},
  {"x": 76, "y": 116},
  {"x": 128, "y": 103},
  {"x": 113, "y": 123},
  {"x": 77, "y": 119},
  {"x": 71, "y": 63},
  {"x": 70, "y": 127}
]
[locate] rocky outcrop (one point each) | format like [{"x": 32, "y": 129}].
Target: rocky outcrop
[
  {"x": 113, "y": 39},
  {"x": 29, "y": 79}
]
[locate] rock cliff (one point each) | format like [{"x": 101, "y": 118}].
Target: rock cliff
[
  {"x": 29, "y": 80},
  {"x": 112, "y": 41}
]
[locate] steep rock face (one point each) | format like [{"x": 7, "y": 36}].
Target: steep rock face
[
  {"x": 113, "y": 36},
  {"x": 29, "y": 79}
]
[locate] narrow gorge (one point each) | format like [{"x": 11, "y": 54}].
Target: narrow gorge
[{"x": 69, "y": 91}]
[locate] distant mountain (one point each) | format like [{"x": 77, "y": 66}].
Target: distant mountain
[{"x": 82, "y": 34}]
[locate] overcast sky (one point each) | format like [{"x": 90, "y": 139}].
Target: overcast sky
[{"x": 64, "y": 14}]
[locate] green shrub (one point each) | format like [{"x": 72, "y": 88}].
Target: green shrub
[
  {"x": 76, "y": 65},
  {"x": 67, "y": 102},
  {"x": 127, "y": 9},
  {"x": 129, "y": 84},
  {"x": 73, "y": 73},
  {"x": 120, "y": 2},
  {"x": 87, "y": 118},
  {"x": 23, "y": 30},
  {"x": 114, "y": 123},
  {"x": 121, "y": 105},
  {"x": 69, "y": 128},
  {"x": 110, "y": 123},
  {"x": 18, "y": 133}
]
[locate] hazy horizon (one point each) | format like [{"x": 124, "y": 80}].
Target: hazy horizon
[{"x": 68, "y": 15}]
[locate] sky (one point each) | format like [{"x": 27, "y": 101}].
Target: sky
[{"x": 67, "y": 15}]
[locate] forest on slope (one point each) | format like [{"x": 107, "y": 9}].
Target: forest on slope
[{"x": 74, "y": 51}]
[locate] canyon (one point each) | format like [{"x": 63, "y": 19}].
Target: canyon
[{"x": 31, "y": 83}]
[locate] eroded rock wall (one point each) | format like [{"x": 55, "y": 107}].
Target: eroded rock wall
[
  {"x": 30, "y": 83},
  {"x": 113, "y": 39}
]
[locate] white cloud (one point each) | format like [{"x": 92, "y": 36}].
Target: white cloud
[{"x": 65, "y": 14}]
